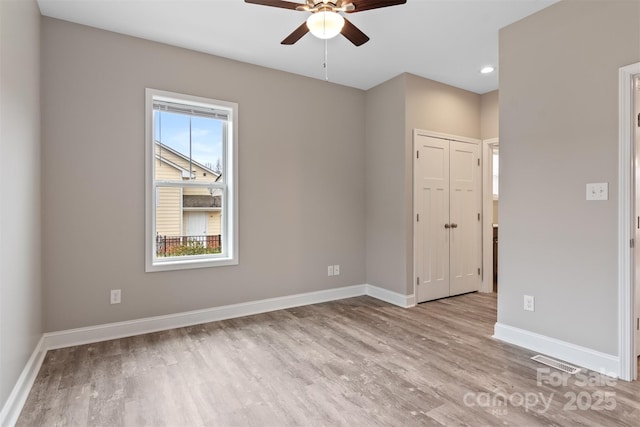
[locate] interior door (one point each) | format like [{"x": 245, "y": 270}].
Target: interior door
[
  {"x": 466, "y": 239},
  {"x": 432, "y": 201},
  {"x": 447, "y": 200}
]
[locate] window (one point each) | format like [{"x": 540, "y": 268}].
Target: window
[{"x": 191, "y": 176}]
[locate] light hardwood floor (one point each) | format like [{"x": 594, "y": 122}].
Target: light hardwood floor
[{"x": 355, "y": 362}]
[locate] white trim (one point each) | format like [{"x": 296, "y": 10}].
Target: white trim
[
  {"x": 626, "y": 208},
  {"x": 444, "y": 136},
  {"x": 147, "y": 325},
  {"x": 14, "y": 404},
  {"x": 92, "y": 334},
  {"x": 571, "y": 353},
  {"x": 487, "y": 214},
  {"x": 404, "y": 301}
]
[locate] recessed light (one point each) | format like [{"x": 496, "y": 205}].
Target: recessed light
[{"x": 487, "y": 70}]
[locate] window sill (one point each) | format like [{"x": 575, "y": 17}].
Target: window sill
[{"x": 189, "y": 264}]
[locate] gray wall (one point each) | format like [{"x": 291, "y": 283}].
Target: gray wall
[
  {"x": 489, "y": 115},
  {"x": 385, "y": 198},
  {"x": 20, "y": 290},
  {"x": 394, "y": 109},
  {"x": 302, "y": 188},
  {"x": 559, "y": 131}
]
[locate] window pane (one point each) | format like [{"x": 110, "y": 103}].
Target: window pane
[
  {"x": 189, "y": 221},
  {"x": 185, "y": 143}
]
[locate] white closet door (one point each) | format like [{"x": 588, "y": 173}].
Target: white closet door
[
  {"x": 447, "y": 200},
  {"x": 466, "y": 238},
  {"x": 432, "y": 199}
]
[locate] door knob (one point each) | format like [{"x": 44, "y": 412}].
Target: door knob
[
  {"x": 447, "y": 226},
  {"x": 454, "y": 225}
]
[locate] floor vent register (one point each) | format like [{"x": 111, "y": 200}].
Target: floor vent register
[{"x": 564, "y": 367}]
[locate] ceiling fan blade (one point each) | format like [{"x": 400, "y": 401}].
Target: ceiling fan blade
[
  {"x": 296, "y": 35},
  {"x": 353, "y": 34},
  {"x": 361, "y": 5},
  {"x": 275, "y": 3}
]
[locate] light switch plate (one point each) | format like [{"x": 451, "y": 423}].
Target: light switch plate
[{"x": 598, "y": 191}]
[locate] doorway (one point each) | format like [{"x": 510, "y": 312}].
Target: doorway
[{"x": 490, "y": 213}]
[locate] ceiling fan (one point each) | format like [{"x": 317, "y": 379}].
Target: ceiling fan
[{"x": 325, "y": 22}]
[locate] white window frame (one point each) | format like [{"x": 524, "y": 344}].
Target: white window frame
[{"x": 229, "y": 226}]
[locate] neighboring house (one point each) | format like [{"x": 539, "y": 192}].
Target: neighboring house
[{"x": 191, "y": 214}]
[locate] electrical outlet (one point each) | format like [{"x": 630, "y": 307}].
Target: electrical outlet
[
  {"x": 330, "y": 270},
  {"x": 116, "y": 296},
  {"x": 529, "y": 303},
  {"x": 336, "y": 270},
  {"x": 598, "y": 191}
]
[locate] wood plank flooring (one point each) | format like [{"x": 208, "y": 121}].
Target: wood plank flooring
[{"x": 354, "y": 362}]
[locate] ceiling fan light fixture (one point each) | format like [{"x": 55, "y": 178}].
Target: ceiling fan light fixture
[{"x": 325, "y": 24}]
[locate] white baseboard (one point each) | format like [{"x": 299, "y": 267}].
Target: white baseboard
[
  {"x": 404, "y": 301},
  {"x": 13, "y": 406},
  {"x": 52, "y": 340},
  {"x": 571, "y": 353},
  {"x": 147, "y": 325}
]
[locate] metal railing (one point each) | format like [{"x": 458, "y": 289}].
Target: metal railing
[{"x": 188, "y": 245}]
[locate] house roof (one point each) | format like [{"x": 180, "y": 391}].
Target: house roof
[{"x": 182, "y": 156}]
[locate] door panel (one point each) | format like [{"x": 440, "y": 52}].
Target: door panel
[
  {"x": 432, "y": 246},
  {"x": 465, "y": 206}
]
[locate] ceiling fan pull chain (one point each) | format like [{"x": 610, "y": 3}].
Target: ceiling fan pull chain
[{"x": 326, "y": 65}]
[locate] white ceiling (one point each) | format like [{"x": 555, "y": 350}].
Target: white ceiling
[{"x": 443, "y": 40}]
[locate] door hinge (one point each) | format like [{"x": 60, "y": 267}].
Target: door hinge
[
  {"x": 638, "y": 323},
  {"x": 478, "y": 161},
  {"x": 417, "y": 217},
  {"x": 417, "y": 280},
  {"x": 639, "y": 120},
  {"x": 478, "y": 216},
  {"x": 478, "y": 271},
  {"x": 632, "y": 243},
  {"x": 417, "y": 154}
]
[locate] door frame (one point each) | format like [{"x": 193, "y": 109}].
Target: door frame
[
  {"x": 626, "y": 230},
  {"x": 414, "y": 229},
  {"x": 487, "y": 213}
]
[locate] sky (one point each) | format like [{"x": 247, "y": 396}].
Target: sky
[{"x": 206, "y": 136}]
